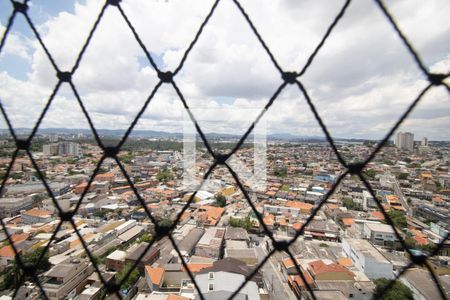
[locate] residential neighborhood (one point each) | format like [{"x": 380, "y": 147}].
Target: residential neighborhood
[{"x": 219, "y": 240}]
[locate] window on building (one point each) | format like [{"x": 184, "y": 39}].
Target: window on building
[
  {"x": 210, "y": 287},
  {"x": 211, "y": 275}
]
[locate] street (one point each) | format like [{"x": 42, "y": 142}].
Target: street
[{"x": 278, "y": 288}]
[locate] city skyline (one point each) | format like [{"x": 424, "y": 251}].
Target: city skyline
[{"x": 350, "y": 83}]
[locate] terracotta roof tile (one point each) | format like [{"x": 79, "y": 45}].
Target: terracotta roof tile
[
  {"x": 156, "y": 274},
  {"x": 7, "y": 251}
]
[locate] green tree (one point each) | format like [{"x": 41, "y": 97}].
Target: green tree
[
  {"x": 164, "y": 175},
  {"x": 398, "y": 290},
  {"x": 15, "y": 275},
  {"x": 410, "y": 242},
  {"x": 127, "y": 158},
  {"x": 402, "y": 176},
  {"x": 284, "y": 188},
  {"x": 430, "y": 247},
  {"x": 221, "y": 200},
  {"x": 398, "y": 218},
  {"x": 165, "y": 222},
  {"x": 102, "y": 170},
  {"x": 16, "y": 176},
  {"x": 280, "y": 172},
  {"x": 368, "y": 143},
  {"x": 146, "y": 237},
  {"x": 348, "y": 203},
  {"x": 100, "y": 214},
  {"x": 134, "y": 276},
  {"x": 369, "y": 173},
  {"x": 245, "y": 223}
]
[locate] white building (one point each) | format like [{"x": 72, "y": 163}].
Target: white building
[
  {"x": 404, "y": 140},
  {"x": 368, "y": 201},
  {"x": 424, "y": 142},
  {"x": 61, "y": 148},
  {"x": 379, "y": 233},
  {"x": 221, "y": 285},
  {"x": 367, "y": 258},
  {"x": 281, "y": 210},
  {"x": 125, "y": 226}
]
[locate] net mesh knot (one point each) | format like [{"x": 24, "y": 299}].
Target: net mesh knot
[{"x": 20, "y": 7}]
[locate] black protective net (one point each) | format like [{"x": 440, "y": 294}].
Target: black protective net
[{"x": 168, "y": 77}]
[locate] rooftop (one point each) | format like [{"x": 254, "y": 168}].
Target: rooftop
[
  {"x": 366, "y": 248},
  {"x": 34, "y": 212},
  {"x": 380, "y": 227},
  {"x": 156, "y": 274}
]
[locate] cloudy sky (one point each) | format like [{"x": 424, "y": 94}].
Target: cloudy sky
[{"x": 361, "y": 80}]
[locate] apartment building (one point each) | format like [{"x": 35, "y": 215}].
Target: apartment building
[
  {"x": 66, "y": 280},
  {"x": 404, "y": 140}
]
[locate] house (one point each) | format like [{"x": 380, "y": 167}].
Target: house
[
  {"x": 321, "y": 270},
  {"x": 210, "y": 215},
  {"x": 210, "y": 245},
  {"x": 154, "y": 277},
  {"x": 189, "y": 241},
  {"x": 135, "y": 252},
  {"x": 221, "y": 285},
  {"x": 7, "y": 256},
  {"x": 244, "y": 254},
  {"x": 233, "y": 265},
  {"x": 236, "y": 234},
  {"x": 305, "y": 208},
  {"x": 109, "y": 177},
  {"x": 116, "y": 260}
]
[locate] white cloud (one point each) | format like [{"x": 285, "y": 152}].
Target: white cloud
[{"x": 361, "y": 81}]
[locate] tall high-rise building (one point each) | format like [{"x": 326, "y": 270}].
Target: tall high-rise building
[
  {"x": 424, "y": 142},
  {"x": 50, "y": 149},
  {"x": 68, "y": 148},
  {"x": 61, "y": 148},
  {"x": 405, "y": 141}
]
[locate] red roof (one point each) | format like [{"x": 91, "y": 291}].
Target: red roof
[
  {"x": 319, "y": 267},
  {"x": 299, "y": 281},
  {"x": 378, "y": 215},
  {"x": 194, "y": 268},
  {"x": 7, "y": 251},
  {"x": 37, "y": 213},
  {"x": 155, "y": 274}
]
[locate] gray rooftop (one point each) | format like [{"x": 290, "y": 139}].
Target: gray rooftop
[
  {"x": 191, "y": 239},
  {"x": 236, "y": 233}
]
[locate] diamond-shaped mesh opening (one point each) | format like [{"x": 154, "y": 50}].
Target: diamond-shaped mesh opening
[{"x": 164, "y": 227}]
